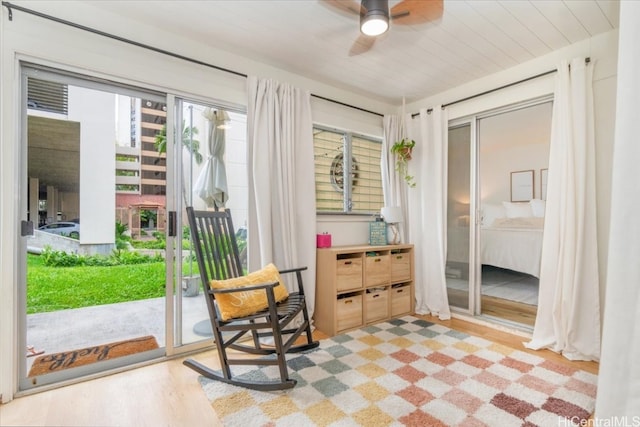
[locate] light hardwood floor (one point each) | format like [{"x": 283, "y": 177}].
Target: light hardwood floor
[
  {"x": 509, "y": 310},
  {"x": 168, "y": 393},
  {"x": 497, "y": 307}
]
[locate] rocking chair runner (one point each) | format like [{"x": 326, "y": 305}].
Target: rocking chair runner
[{"x": 218, "y": 259}]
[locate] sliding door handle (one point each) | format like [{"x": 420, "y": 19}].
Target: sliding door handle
[{"x": 172, "y": 223}]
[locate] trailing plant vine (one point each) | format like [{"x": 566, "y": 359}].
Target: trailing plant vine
[{"x": 402, "y": 150}]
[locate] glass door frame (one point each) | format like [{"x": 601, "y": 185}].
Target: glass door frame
[
  {"x": 174, "y": 307},
  {"x": 176, "y": 174},
  {"x": 173, "y": 270},
  {"x": 174, "y": 292},
  {"x": 173, "y": 277},
  {"x": 85, "y": 80},
  {"x": 473, "y": 303},
  {"x": 475, "y": 264}
]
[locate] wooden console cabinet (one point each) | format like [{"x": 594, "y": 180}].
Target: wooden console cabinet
[{"x": 361, "y": 285}]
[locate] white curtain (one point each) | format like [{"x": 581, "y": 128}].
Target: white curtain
[
  {"x": 619, "y": 379},
  {"x": 394, "y": 188},
  {"x": 428, "y": 213},
  {"x": 282, "y": 206},
  {"x": 568, "y": 319}
]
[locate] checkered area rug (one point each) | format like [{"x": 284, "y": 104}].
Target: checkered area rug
[{"x": 411, "y": 372}]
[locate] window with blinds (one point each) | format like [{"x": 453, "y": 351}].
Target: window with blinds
[
  {"x": 47, "y": 96},
  {"x": 347, "y": 171}
]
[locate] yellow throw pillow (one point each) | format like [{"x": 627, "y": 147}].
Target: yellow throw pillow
[{"x": 240, "y": 304}]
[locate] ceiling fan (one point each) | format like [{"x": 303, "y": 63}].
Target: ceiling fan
[{"x": 375, "y": 17}]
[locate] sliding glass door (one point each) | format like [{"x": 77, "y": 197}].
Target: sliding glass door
[
  {"x": 93, "y": 194},
  {"x": 497, "y": 167},
  {"x": 459, "y": 269},
  {"x": 108, "y": 277},
  {"x": 211, "y": 173},
  {"x": 513, "y": 158}
]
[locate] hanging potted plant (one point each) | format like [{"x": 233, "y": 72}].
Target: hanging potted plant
[{"x": 402, "y": 149}]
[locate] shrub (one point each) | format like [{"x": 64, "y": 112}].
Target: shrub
[
  {"x": 60, "y": 258},
  {"x": 122, "y": 240},
  {"x": 128, "y": 258},
  {"x": 53, "y": 258},
  {"x": 157, "y": 244},
  {"x": 149, "y": 244}
]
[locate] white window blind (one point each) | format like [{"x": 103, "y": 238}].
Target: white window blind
[
  {"x": 47, "y": 96},
  {"x": 337, "y": 152}
]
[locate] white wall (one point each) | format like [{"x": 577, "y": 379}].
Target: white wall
[
  {"x": 123, "y": 120},
  {"x": 513, "y": 141},
  {"x": 497, "y": 166},
  {"x": 96, "y": 113},
  {"x": 236, "y": 163}
]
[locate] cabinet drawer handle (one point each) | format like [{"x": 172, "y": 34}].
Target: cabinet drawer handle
[
  {"x": 348, "y": 263},
  {"x": 348, "y": 301},
  {"x": 400, "y": 291},
  {"x": 376, "y": 296},
  {"x": 377, "y": 260},
  {"x": 399, "y": 257}
]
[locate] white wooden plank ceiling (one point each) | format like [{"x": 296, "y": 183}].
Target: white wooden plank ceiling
[{"x": 470, "y": 40}]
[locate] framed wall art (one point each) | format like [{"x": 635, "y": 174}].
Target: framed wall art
[{"x": 522, "y": 186}]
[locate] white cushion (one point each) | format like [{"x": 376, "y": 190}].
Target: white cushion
[
  {"x": 518, "y": 210},
  {"x": 537, "y": 207}
]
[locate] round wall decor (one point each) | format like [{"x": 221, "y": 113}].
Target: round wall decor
[{"x": 337, "y": 172}]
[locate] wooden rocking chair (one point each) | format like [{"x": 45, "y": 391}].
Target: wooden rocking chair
[{"x": 218, "y": 259}]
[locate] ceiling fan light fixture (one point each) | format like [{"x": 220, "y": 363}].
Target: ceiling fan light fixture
[
  {"x": 374, "y": 25},
  {"x": 375, "y": 20}
]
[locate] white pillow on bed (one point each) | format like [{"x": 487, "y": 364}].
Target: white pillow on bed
[
  {"x": 492, "y": 212},
  {"x": 537, "y": 207},
  {"x": 518, "y": 210}
]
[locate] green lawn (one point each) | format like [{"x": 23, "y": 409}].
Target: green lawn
[{"x": 59, "y": 288}]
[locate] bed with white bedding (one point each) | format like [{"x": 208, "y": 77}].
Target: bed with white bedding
[
  {"x": 514, "y": 244},
  {"x": 513, "y": 237}
]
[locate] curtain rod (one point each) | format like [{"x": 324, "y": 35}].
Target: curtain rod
[
  {"x": 486, "y": 92},
  {"x": 11, "y": 6}
]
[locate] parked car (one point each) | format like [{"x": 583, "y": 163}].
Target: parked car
[{"x": 65, "y": 228}]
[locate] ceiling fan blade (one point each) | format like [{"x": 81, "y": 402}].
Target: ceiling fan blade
[
  {"x": 410, "y": 12},
  {"x": 361, "y": 45},
  {"x": 345, "y": 7}
]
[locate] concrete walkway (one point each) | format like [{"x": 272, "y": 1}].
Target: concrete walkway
[{"x": 84, "y": 327}]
